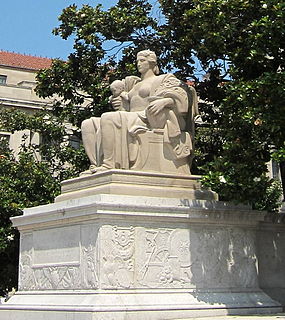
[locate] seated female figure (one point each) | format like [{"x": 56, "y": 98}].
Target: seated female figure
[{"x": 158, "y": 103}]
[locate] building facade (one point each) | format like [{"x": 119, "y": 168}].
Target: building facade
[{"x": 17, "y": 84}]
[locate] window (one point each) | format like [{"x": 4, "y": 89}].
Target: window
[
  {"x": 5, "y": 136},
  {"x": 275, "y": 170},
  {"x": 74, "y": 142},
  {"x": 3, "y": 79},
  {"x": 4, "y": 141}
]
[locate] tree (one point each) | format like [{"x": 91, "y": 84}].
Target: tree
[
  {"x": 31, "y": 178},
  {"x": 236, "y": 45},
  {"x": 88, "y": 70},
  {"x": 24, "y": 182},
  {"x": 242, "y": 41}
]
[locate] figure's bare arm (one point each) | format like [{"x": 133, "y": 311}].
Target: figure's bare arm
[{"x": 158, "y": 105}]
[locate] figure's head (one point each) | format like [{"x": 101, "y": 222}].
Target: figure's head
[
  {"x": 117, "y": 87},
  {"x": 146, "y": 59}
]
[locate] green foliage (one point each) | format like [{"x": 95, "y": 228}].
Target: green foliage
[
  {"x": 251, "y": 121},
  {"x": 250, "y": 124},
  {"x": 240, "y": 45},
  {"x": 24, "y": 182},
  {"x": 247, "y": 34},
  {"x": 271, "y": 199},
  {"x": 88, "y": 70},
  {"x": 32, "y": 177},
  {"x": 235, "y": 44}
]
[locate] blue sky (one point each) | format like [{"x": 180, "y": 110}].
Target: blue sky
[{"x": 26, "y": 26}]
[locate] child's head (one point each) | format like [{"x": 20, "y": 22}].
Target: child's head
[{"x": 117, "y": 87}]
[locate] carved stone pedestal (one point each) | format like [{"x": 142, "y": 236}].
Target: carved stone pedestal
[
  {"x": 135, "y": 183},
  {"x": 114, "y": 257}
]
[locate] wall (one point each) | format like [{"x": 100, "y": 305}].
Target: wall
[
  {"x": 271, "y": 257},
  {"x": 18, "y": 93}
]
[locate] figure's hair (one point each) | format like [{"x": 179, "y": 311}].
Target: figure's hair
[{"x": 151, "y": 57}]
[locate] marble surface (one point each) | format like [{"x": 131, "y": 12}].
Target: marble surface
[
  {"x": 128, "y": 257},
  {"x": 136, "y": 183},
  {"x": 152, "y": 127}
]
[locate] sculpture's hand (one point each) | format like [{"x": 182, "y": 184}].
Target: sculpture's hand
[
  {"x": 116, "y": 102},
  {"x": 158, "y": 105},
  {"x": 124, "y": 95}
]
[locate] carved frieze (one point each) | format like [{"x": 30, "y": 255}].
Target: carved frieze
[
  {"x": 127, "y": 257},
  {"x": 167, "y": 260},
  {"x": 201, "y": 258},
  {"x": 117, "y": 263},
  {"x": 58, "y": 275}
]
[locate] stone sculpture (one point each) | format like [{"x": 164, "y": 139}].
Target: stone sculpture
[
  {"x": 152, "y": 128},
  {"x": 146, "y": 242}
]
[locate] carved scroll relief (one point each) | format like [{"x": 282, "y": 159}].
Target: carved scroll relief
[
  {"x": 145, "y": 258},
  {"x": 137, "y": 257},
  {"x": 126, "y": 257},
  {"x": 117, "y": 259},
  {"x": 168, "y": 259},
  {"x": 59, "y": 259}
]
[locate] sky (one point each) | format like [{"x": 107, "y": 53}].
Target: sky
[{"x": 26, "y": 26}]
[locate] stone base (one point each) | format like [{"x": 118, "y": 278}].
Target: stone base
[
  {"x": 114, "y": 257},
  {"x": 271, "y": 254},
  {"x": 135, "y": 183},
  {"x": 164, "y": 305}
]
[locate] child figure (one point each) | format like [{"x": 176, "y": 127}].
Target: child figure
[{"x": 117, "y": 88}]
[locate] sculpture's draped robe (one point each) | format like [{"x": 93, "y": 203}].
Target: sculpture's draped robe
[{"x": 176, "y": 123}]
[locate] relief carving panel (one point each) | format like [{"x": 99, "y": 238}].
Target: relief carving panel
[
  {"x": 212, "y": 257},
  {"x": 166, "y": 261},
  {"x": 117, "y": 260},
  {"x": 126, "y": 257},
  {"x": 58, "y": 274}
]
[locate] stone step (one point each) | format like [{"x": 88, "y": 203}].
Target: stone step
[{"x": 279, "y": 316}]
